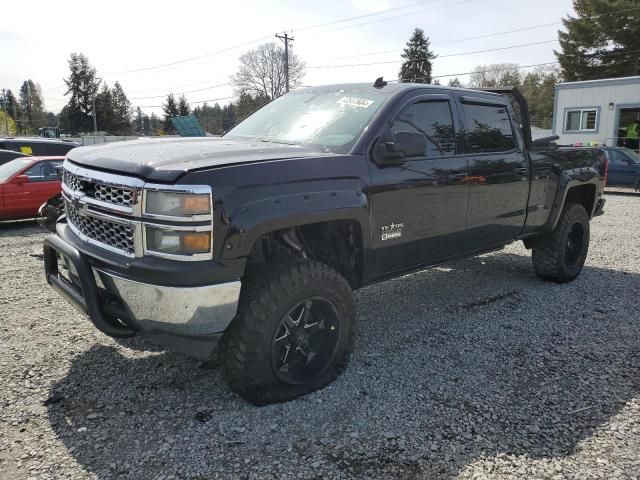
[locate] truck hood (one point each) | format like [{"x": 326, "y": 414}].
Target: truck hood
[{"x": 165, "y": 160}]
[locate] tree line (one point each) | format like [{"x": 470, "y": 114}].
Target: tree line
[
  {"x": 25, "y": 114},
  {"x": 600, "y": 41}
]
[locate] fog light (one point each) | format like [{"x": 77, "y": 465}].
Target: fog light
[{"x": 177, "y": 242}]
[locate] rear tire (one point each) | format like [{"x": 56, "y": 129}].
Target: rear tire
[
  {"x": 293, "y": 334},
  {"x": 560, "y": 255}
]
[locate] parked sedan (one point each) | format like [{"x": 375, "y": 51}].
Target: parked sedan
[
  {"x": 25, "y": 184},
  {"x": 624, "y": 167}
]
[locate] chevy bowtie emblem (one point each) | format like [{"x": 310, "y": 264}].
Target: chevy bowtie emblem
[{"x": 76, "y": 200}]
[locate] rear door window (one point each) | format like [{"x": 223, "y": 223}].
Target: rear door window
[{"x": 488, "y": 128}]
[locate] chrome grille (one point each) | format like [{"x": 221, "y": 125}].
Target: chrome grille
[
  {"x": 119, "y": 196},
  {"x": 115, "y": 195},
  {"x": 72, "y": 181},
  {"x": 113, "y": 234}
]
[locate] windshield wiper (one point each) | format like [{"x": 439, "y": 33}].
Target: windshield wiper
[{"x": 274, "y": 141}]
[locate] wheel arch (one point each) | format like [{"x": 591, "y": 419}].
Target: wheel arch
[{"x": 581, "y": 188}]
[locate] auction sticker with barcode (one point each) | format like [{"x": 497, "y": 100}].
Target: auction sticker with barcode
[{"x": 355, "y": 102}]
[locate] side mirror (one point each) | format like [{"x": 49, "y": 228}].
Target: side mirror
[
  {"x": 20, "y": 180},
  {"x": 408, "y": 144},
  {"x": 404, "y": 145}
]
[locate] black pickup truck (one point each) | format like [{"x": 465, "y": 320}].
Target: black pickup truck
[{"x": 254, "y": 241}]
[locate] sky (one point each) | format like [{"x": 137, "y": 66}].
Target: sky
[{"x": 130, "y": 41}]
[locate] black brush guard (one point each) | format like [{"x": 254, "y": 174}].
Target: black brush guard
[{"x": 84, "y": 295}]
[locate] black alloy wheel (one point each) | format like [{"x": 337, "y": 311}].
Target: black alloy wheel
[
  {"x": 306, "y": 341},
  {"x": 575, "y": 245}
]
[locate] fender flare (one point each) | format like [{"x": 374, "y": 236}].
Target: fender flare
[
  {"x": 249, "y": 222},
  {"x": 569, "y": 179}
]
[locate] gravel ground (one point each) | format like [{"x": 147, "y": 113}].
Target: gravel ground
[{"x": 474, "y": 370}]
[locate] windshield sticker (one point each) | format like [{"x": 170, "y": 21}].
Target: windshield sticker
[{"x": 355, "y": 102}]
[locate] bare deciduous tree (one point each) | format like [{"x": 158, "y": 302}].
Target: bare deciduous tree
[
  {"x": 262, "y": 71},
  {"x": 496, "y": 75}
]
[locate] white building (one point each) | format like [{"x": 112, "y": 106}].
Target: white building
[{"x": 596, "y": 110}]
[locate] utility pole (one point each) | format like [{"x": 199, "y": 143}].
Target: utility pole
[
  {"x": 286, "y": 39},
  {"x": 4, "y": 110},
  {"x": 95, "y": 117},
  {"x": 204, "y": 110}
]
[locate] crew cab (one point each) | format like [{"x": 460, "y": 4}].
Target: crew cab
[
  {"x": 254, "y": 242},
  {"x": 25, "y": 184}
]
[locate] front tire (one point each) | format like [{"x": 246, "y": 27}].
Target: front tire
[
  {"x": 293, "y": 334},
  {"x": 560, "y": 255}
]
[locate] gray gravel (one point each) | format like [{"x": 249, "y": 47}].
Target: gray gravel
[{"x": 474, "y": 370}]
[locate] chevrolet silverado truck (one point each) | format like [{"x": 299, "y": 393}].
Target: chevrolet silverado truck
[{"x": 253, "y": 243}]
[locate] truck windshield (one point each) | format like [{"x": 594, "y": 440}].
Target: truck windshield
[
  {"x": 324, "y": 120},
  {"x": 9, "y": 169}
]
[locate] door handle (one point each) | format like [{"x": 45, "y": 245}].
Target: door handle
[{"x": 521, "y": 170}]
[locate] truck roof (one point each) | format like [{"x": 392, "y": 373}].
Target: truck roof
[{"x": 391, "y": 87}]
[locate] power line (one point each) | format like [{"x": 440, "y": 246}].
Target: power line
[
  {"x": 396, "y": 16},
  {"x": 441, "y": 56},
  {"x": 165, "y": 89},
  {"x": 193, "y": 103},
  {"x": 382, "y": 12},
  {"x": 183, "y": 93},
  {"x": 521, "y": 67},
  {"x": 190, "y": 59},
  {"x": 493, "y": 34},
  {"x": 217, "y": 52},
  {"x": 396, "y": 50}
]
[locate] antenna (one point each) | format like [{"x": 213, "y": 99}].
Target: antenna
[{"x": 379, "y": 83}]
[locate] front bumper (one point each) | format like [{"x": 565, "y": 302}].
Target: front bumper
[{"x": 190, "y": 319}]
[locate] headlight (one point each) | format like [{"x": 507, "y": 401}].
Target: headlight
[
  {"x": 177, "y": 204},
  {"x": 178, "y": 242}
]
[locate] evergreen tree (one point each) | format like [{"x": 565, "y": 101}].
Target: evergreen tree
[
  {"x": 155, "y": 124},
  {"x": 7, "y": 124},
  {"x": 11, "y": 104},
  {"x": 455, "y": 82},
  {"x": 121, "y": 111},
  {"x": 146, "y": 126},
  {"x": 538, "y": 88},
  {"x": 104, "y": 110},
  {"x": 247, "y": 104},
  {"x": 418, "y": 63},
  {"x": 52, "y": 119},
  {"x": 138, "y": 121},
  {"x": 170, "y": 110},
  {"x": 602, "y": 41},
  {"x": 228, "y": 117},
  {"x": 184, "y": 108},
  {"x": 32, "y": 112},
  {"x": 82, "y": 87}
]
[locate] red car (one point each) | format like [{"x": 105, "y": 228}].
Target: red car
[{"x": 26, "y": 183}]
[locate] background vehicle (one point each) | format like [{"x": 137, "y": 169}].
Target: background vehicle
[
  {"x": 35, "y": 146},
  {"x": 624, "y": 167},
  {"x": 258, "y": 238},
  {"x": 49, "y": 132},
  {"x": 25, "y": 184},
  {"x": 8, "y": 155}
]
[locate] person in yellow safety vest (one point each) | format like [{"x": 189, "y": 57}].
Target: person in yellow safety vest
[{"x": 633, "y": 135}]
